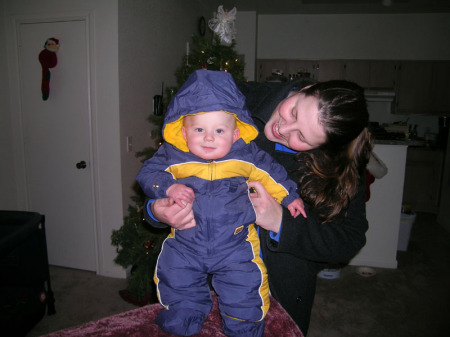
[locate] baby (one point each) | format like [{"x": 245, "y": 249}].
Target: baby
[{"x": 207, "y": 160}]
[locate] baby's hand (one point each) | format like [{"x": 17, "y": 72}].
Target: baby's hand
[
  {"x": 297, "y": 207},
  {"x": 181, "y": 194}
]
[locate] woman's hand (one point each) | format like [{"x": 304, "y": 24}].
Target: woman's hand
[
  {"x": 268, "y": 212},
  {"x": 167, "y": 211},
  {"x": 181, "y": 194}
]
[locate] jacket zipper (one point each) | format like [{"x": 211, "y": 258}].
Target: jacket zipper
[{"x": 209, "y": 225}]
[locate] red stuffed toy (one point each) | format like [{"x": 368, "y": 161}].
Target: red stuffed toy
[{"x": 48, "y": 59}]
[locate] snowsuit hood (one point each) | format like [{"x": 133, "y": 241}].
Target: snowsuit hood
[{"x": 205, "y": 91}]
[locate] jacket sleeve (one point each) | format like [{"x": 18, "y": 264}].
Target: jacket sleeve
[
  {"x": 273, "y": 176},
  {"x": 153, "y": 177},
  {"x": 148, "y": 216},
  {"x": 334, "y": 242}
]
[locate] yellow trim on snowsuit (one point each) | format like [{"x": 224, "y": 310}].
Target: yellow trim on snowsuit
[
  {"x": 172, "y": 131},
  {"x": 155, "y": 274},
  {"x": 229, "y": 169},
  {"x": 253, "y": 238}
]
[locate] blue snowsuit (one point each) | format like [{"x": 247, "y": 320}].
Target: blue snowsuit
[{"x": 224, "y": 243}]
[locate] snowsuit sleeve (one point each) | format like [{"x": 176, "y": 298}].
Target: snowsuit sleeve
[
  {"x": 153, "y": 177},
  {"x": 273, "y": 176}
]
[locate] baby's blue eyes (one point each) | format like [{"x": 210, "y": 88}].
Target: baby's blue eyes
[{"x": 200, "y": 130}]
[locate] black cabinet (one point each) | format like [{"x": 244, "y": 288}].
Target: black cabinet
[
  {"x": 423, "y": 176},
  {"x": 25, "y": 289}
]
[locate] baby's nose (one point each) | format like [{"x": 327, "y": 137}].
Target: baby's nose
[{"x": 209, "y": 137}]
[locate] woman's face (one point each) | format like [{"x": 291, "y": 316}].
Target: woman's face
[{"x": 295, "y": 123}]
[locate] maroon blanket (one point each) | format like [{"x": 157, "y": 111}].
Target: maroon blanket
[{"x": 141, "y": 322}]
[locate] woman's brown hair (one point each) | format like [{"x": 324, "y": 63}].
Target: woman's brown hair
[{"x": 336, "y": 167}]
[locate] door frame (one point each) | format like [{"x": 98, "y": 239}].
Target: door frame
[
  {"x": 93, "y": 169},
  {"x": 103, "y": 21}
]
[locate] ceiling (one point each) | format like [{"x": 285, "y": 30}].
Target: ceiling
[{"x": 336, "y": 6}]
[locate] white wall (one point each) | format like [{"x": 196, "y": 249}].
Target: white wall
[
  {"x": 354, "y": 36},
  {"x": 152, "y": 43},
  {"x": 8, "y": 196},
  {"x": 105, "y": 89},
  {"x": 246, "y": 23}
]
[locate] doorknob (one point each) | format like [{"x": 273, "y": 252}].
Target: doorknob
[{"x": 81, "y": 165}]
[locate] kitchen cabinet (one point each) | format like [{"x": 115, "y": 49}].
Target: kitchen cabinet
[
  {"x": 382, "y": 74},
  {"x": 423, "y": 177},
  {"x": 287, "y": 67},
  {"x": 441, "y": 87},
  {"x": 264, "y": 68},
  {"x": 413, "y": 89},
  {"x": 421, "y": 87},
  {"x": 326, "y": 70},
  {"x": 303, "y": 67},
  {"x": 367, "y": 73},
  {"x": 319, "y": 70},
  {"x": 371, "y": 74},
  {"x": 357, "y": 71}
]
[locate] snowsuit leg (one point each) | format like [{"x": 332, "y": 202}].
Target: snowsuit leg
[
  {"x": 182, "y": 289},
  {"x": 241, "y": 282}
]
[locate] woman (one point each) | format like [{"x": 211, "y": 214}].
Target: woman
[{"x": 326, "y": 123}]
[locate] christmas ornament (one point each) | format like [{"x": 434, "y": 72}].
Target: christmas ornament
[
  {"x": 48, "y": 59},
  {"x": 149, "y": 244},
  {"x": 223, "y": 25}
]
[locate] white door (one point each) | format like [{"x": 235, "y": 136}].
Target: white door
[{"x": 57, "y": 137}]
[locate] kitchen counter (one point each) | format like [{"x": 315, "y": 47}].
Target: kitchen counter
[
  {"x": 384, "y": 208},
  {"x": 407, "y": 142}
]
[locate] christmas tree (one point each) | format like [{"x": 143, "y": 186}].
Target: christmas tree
[
  {"x": 211, "y": 55},
  {"x": 137, "y": 243}
]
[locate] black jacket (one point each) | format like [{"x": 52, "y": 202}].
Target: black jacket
[{"x": 305, "y": 245}]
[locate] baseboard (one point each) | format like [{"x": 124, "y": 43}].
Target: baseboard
[{"x": 391, "y": 264}]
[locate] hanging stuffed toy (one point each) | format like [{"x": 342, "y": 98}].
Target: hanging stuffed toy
[
  {"x": 223, "y": 25},
  {"x": 48, "y": 59}
]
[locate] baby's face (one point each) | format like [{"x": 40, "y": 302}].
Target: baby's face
[{"x": 210, "y": 135}]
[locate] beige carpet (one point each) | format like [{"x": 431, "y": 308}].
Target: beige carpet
[
  {"x": 412, "y": 300},
  {"x": 81, "y": 296}
]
